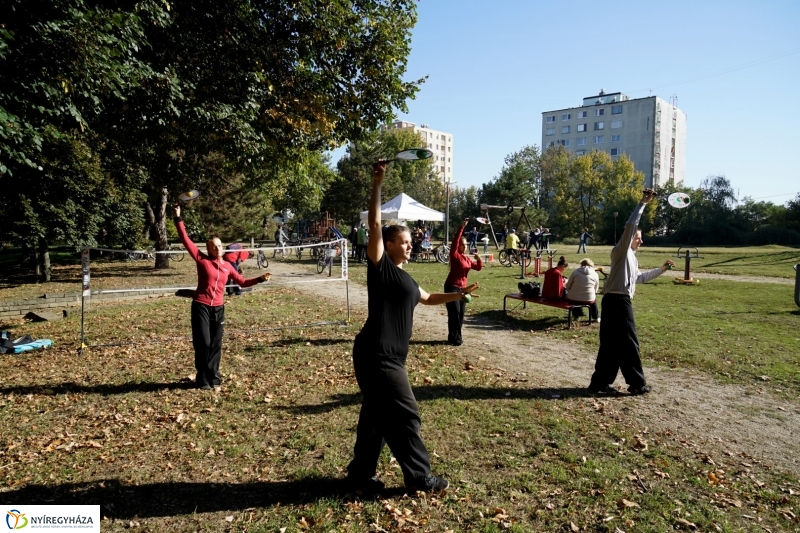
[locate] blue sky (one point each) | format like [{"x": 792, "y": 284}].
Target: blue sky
[{"x": 493, "y": 68}]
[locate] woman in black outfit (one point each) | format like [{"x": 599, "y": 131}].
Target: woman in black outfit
[{"x": 389, "y": 411}]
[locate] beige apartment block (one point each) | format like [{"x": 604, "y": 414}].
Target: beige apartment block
[
  {"x": 650, "y": 131},
  {"x": 439, "y": 142}
]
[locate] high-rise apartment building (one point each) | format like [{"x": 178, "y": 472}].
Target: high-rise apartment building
[
  {"x": 650, "y": 131},
  {"x": 439, "y": 142}
]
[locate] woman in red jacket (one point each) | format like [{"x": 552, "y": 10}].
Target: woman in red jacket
[
  {"x": 208, "y": 305},
  {"x": 553, "y": 288},
  {"x": 460, "y": 265}
]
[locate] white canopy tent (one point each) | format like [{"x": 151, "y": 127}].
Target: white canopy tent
[{"x": 402, "y": 207}]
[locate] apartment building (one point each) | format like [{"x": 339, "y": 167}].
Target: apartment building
[
  {"x": 439, "y": 142},
  {"x": 650, "y": 131}
]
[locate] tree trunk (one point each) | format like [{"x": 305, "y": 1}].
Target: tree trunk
[
  {"x": 158, "y": 228},
  {"x": 44, "y": 271}
]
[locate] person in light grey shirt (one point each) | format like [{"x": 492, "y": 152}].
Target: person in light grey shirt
[{"x": 619, "y": 343}]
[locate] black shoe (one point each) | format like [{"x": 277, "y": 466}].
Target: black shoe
[
  {"x": 644, "y": 389},
  {"x": 363, "y": 487},
  {"x": 608, "y": 390},
  {"x": 429, "y": 483},
  {"x": 204, "y": 387}
]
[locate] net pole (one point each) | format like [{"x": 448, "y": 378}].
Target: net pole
[{"x": 85, "y": 288}]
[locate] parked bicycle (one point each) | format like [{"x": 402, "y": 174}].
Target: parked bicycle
[
  {"x": 176, "y": 252},
  {"x": 326, "y": 256},
  {"x": 261, "y": 258}
]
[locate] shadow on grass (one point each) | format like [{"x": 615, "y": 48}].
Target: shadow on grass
[
  {"x": 122, "y": 501},
  {"x": 435, "y": 392},
  {"x": 557, "y": 319},
  {"x": 302, "y": 341},
  {"x": 104, "y": 389}
]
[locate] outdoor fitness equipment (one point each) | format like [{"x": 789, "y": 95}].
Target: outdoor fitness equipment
[
  {"x": 185, "y": 198},
  {"x": 509, "y": 209},
  {"x": 687, "y": 255}
]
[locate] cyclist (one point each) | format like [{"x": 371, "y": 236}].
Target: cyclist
[{"x": 512, "y": 245}]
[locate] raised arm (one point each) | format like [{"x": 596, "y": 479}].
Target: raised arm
[
  {"x": 621, "y": 249},
  {"x": 375, "y": 245},
  {"x": 187, "y": 242},
  {"x": 457, "y": 238}
]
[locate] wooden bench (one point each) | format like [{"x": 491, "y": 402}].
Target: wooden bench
[{"x": 560, "y": 304}]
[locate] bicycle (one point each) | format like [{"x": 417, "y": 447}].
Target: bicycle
[
  {"x": 175, "y": 253},
  {"x": 442, "y": 253},
  {"x": 325, "y": 259},
  {"x": 261, "y": 258}
]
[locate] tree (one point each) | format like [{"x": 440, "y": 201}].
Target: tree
[
  {"x": 585, "y": 191},
  {"x": 64, "y": 63},
  {"x": 261, "y": 83},
  {"x": 349, "y": 194},
  {"x": 519, "y": 184},
  {"x": 187, "y": 93}
]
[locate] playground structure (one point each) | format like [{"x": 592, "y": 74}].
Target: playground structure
[
  {"x": 509, "y": 209},
  {"x": 687, "y": 255}
]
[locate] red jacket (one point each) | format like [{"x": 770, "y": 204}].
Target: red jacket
[
  {"x": 553, "y": 284},
  {"x": 460, "y": 264},
  {"x": 212, "y": 274}
]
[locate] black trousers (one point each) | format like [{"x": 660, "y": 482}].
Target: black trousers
[
  {"x": 360, "y": 252},
  {"x": 455, "y": 316},
  {"x": 389, "y": 414},
  {"x": 207, "y": 326},
  {"x": 619, "y": 345}
]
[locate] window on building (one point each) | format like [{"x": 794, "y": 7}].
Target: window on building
[
  {"x": 616, "y": 138},
  {"x": 616, "y": 124},
  {"x": 448, "y": 148},
  {"x": 564, "y": 142},
  {"x": 564, "y": 129},
  {"x": 581, "y": 127},
  {"x": 580, "y": 152},
  {"x": 616, "y": 109},
  {"x": 615, "y": 151},
  {"x": 550, "y": 131},
  {"x": 551, "y": 118},
  {"x": 583, "y": 114},
  {"x": 598, "y": 139},
  {"x": 442, "y": 170},
  {"x": 599, "y": 126},
  {"x": 565, "y": 116},
  {"x": 581, "y": 141},
  {"x": 551, "y": 144},
  {"x": 599, "y": 112}
]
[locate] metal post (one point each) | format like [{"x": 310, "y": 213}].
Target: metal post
[
  {"x": 447, "y": 213},
  {"x": 686, "y": 271}
]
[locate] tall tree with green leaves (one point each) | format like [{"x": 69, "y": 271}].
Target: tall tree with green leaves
[
  {"x": 65, "y": 62},
  {"x": 584, "y": 190},
  {"x": 349, "y": 194},
  {"x": 519, "y": 184}
]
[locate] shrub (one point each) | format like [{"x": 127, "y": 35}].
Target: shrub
[{"x": 773, "y": 235}]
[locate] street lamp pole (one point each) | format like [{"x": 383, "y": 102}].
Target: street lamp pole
[
  {"x": 447, "y": 211},
  {"x": 615, "y": 227}
]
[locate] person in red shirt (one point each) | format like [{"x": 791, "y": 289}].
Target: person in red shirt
[
  {"x": 553, "y": 288},
  {"x": 208, "y": 305},
  {"x": 235, "y": 255},
  {"x": 460, "y": 265}
]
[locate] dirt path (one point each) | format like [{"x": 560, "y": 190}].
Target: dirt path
[{"x": 747, "y": 419}]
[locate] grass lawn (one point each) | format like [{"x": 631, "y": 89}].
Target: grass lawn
[{"x": 120, "y": 426}]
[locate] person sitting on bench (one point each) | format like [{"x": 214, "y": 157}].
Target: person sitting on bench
[
  {"x": 582, "y": 285},
  {"x": 553, "y": 288}
]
